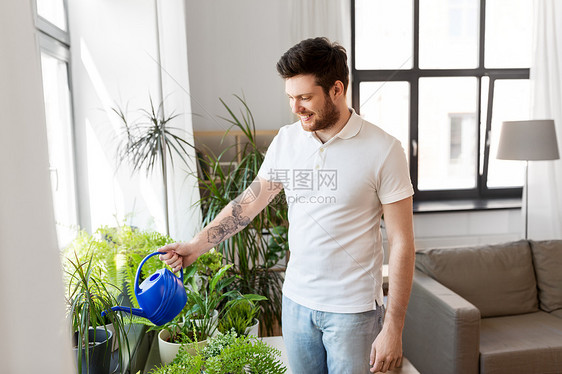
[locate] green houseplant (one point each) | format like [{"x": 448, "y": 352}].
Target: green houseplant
[
  {"x": 104, "y": 256},
  {"x": 227, "y": 353},
  {"x": 149, "y": 142},
  {"x": 208, "y": 302},
  {"x": 215, "y": 297},
  {"x": 255, "y": 251},
  {"x": 241, "y": 318},
  {"x": 187, "y": 328},
  {"x": 116, "y": 253},
  {"x": 88, "y": 296}
]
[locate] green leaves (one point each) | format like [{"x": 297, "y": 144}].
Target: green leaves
[
  {"x": 255, "y": 250},
  {"x": 228, "y": 353},
  {"x": 88, "y": 295},
  {"x": 147, "y": 142}
]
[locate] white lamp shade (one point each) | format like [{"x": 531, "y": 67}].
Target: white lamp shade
[{"x": 528, "y": 140}]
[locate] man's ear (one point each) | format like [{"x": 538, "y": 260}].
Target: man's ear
[{"x": 338, "y": 89}]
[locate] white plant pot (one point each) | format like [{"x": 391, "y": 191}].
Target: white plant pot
[
  {"x": 168, "y": 351},
  {"x": 214, "y": 323},
  {"x": 254, "y": 329}
]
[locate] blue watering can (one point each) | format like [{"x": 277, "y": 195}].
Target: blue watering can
[{"x": 161, "y": 296}]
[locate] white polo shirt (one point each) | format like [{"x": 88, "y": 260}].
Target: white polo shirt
[{"x": 334, "y": 193}]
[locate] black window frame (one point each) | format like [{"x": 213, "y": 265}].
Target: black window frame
[{"x": 412, "y": 76}]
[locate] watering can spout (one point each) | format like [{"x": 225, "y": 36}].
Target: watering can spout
[{"x": 134, "y": 311}]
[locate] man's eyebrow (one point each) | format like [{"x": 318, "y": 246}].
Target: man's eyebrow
[{"x": 300, "y": 95}]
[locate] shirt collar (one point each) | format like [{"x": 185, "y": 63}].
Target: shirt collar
[
  {"x": 352, "y": 126},
  {"x": 350, "y": 129}
]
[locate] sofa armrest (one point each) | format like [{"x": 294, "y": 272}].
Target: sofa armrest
[{"x": 442, "y": 330}]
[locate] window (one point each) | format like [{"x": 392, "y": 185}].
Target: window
[
  {"x": 441, "y": 76},
  {"x": 55, "y": 59}
]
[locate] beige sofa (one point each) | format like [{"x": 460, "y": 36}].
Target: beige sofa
[{"x": 487, "y": 309}]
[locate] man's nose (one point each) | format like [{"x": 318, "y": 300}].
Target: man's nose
[{"x": 296, "y": 106}]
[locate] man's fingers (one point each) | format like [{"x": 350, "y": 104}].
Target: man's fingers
[
  {"x": 378, "y": 366},
  {"x": 170, "y": 259},
  {"x": 387, "y": 366},
  {"x": 177, "y": 264},
  {"x": 168, "y": 247},
  {"x": 168, "y": 253},
  {"x": 373, "y": 355}
]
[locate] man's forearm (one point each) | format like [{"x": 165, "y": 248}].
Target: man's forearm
[
  {"x": 400, "y": 274},
  {"x": 228, "y": 222},
  {"x": 236, "y": 215}
]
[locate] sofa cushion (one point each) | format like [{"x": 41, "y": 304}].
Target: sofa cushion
[
  {"x": 498, "y": 279},
  {"x": 526, "y": 343},
  {"x": 556, "y": 313},
  {"x": 547, "y": 257}
]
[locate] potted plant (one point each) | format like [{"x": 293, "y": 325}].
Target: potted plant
[
  {"x": 256, "y": 251},
  {"x": 150, "y": 142},
  {"x": 242, "y": 317},
  {"x": 184, "y": 329},
  {"x": 133, "y": 245},
  {"x": 211, "y": 304},
  {"x": 207, "y": 302},
  {"x": 88, "y": 296},
  {"x": 227, "y": 353},
  {"x": 116, "y": 252}
]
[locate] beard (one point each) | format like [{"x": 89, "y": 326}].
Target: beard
[{"x": 324, "y": 118}]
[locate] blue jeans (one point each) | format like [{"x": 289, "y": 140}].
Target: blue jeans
[{"x": 322, "y": 342}]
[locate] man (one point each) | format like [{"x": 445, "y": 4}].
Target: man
[{"x": 340, "y": 174}]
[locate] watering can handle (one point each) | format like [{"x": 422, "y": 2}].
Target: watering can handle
[{"x": 137, "y": 277}]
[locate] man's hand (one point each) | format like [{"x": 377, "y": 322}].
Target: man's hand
[
  {"x": 179, "y": 255},
  {"x": 386, "y": 351}
]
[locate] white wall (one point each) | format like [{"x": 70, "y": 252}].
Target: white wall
[
  {"x": 234, "y": 46},
  {"x": 233, "y": 49},
  {"x": 467, "y": 228},
  {"x": 116, "y": 57}
]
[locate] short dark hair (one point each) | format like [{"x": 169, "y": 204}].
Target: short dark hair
[{"x": 325, "y": 60}]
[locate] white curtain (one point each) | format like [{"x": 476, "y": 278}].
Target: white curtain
[
  {"x": 32, "y": 313},
  {"x": 183, "y": 187},
  {"x": 545, "y": 177},
  {"x": 329, "y": 18}
]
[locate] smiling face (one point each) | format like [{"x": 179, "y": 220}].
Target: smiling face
[{"x": 315, "y": 109}]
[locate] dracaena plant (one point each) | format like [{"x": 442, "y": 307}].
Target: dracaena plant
[
  {"x": 88, "y": 296},
  {"x": 149, "y": 142},
  {"x": 255, "y": 251}
]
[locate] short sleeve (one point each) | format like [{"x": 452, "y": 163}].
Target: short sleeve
[
  {"x": 393, "y": 180},
  {"x": 270, "y": 161}
]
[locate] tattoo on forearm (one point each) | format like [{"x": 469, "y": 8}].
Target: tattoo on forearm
[{"x": 228, "y": 225}]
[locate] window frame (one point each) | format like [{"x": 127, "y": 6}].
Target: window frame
[
  {"x": 412, "y": 76},
  {"x": 55, "y": 42}
]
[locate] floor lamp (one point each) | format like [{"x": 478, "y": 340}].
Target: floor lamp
[{"x": 531, "y": 140}]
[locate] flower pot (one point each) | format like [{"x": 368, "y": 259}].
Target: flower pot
[
  {"x": 254, "y": 329},
  {"x": 169, "y": 351},
  {"x": 99, "y": 352},
  {"x": 213, "y": 323},
  {"x": 115, "y": 344}
]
